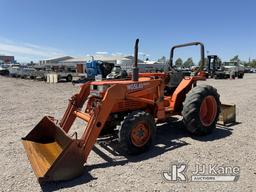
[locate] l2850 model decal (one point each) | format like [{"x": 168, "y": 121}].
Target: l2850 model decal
[{"x": 135, "y": 86}]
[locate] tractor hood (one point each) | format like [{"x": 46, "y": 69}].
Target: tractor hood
[
  {"x": 98, "y": 88},
  {"x": 112, "y": 82}
]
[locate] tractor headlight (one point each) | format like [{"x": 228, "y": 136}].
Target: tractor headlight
[
  {"x": 98, "y": 90},
  {"x": 101, "y": 88}
]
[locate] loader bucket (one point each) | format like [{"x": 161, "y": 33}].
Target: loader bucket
[{"x": 53, "y": 155}]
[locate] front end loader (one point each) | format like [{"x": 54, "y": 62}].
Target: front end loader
[{"x": 126, "y": 108}]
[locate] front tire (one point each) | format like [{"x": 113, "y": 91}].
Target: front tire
[
  {"x": 136, "y": 133},
  {"x": 201, "y": 110}
]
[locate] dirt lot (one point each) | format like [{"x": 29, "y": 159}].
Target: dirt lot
[{"x": 24, "y": 102}]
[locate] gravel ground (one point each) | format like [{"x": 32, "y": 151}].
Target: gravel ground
[{"x": 25, "y": 102}]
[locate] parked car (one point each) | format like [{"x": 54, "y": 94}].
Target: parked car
[
  {"x": 26, "y": 72},
  {"x": 14, "y": 70},
  {"x": 4, "y": 69},
  {"x": 253, "y": 70}
]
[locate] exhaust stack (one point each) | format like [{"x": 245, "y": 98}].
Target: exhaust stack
[{"x": 135, "y": 69}]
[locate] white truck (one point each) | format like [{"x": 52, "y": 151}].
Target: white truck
[{"x": 234, "y": 69}]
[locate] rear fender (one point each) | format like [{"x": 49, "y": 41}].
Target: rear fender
[{"x": 180, "y": 92}]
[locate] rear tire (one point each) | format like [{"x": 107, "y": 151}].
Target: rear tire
[
  {"x": 216, "y": 76},
  {"x": 136, "y": 132},
  {"x": 69, "y": 78},
  {"x": 201, "y": 110},
  {"x": 240, "y": 76}
]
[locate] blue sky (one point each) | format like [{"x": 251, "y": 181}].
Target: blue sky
[{"x": 36, "y": 29}]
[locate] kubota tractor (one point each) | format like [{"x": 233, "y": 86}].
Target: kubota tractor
[{"x": 130, "y": 108}]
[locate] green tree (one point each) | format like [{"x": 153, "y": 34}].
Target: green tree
[
  {"x": 178, "y": 62},
  {"x": 253, "y": 63},
  {"x": 162, "y": 59},
  {"x": 188, "y": 63},
  {"x": 235, "y": 58},
  {"x": 205, "y": 62},
  {"x": 244, "y": 63}
]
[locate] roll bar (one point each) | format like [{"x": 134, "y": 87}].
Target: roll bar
[{"x": 187, "y": 45}]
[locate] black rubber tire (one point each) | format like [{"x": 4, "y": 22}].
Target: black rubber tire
[
  {"x": 216, "y": 77},
  {"x": 125, "y": 128},
  {"x": 240, "y": 76},
  {"x": 69, "y": 78},
  {"x": 191, "y": 109}
]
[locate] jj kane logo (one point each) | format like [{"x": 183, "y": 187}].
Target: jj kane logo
[{"x": 178, "y": 172}]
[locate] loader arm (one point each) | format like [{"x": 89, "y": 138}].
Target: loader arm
[
  {"x": 97, "y": 119},
  {"x": 75, "y": 103},
  {"x": 53, "y": 154},
  {"x": 101, "y": 113}
]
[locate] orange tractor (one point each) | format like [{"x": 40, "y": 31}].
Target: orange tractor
[{"x": 129, "y": 108}]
